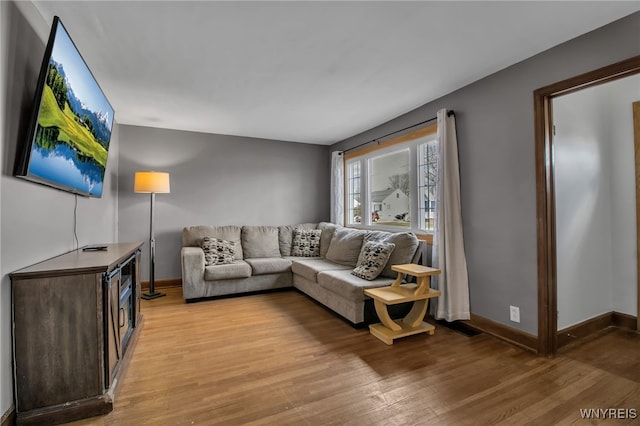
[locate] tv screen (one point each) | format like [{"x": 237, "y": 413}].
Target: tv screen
[{"x": 67, "y": 143}]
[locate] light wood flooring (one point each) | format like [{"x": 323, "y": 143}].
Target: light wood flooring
[{"x": 282, "y": 359}]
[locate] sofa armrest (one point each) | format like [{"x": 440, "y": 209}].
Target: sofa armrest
[
  {"x": 192, "y": 260},
  {"x": 193, "y": 257}
]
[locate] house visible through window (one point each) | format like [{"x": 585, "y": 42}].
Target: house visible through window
[
  {"x": 389, "y": 187},
  {"x": 392, "y": 185}
]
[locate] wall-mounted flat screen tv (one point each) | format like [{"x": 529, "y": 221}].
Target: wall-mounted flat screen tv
[{"x": 67, "y": 142}]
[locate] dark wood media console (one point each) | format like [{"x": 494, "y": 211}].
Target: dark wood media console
[{"x": 75, "y": 319}]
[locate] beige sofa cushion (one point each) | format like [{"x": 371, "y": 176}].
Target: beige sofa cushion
[
  {"x": 328, "y": 229},
  {"x": 237, "y": 269},
  {"x": 192, "y": 236},
  {"x": 349, "y": 286},
  {"x": 269, "y": 265},
  {"x": 260, "y": 241},
  {"x": 309, "y": 268},
  {"x": 345, "y": 246},
  {"x": 406, "y": 244}
]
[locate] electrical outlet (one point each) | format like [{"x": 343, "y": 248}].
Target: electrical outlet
[{"x": 514, "y": 313}]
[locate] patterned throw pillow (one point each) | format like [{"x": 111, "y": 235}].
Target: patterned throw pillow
[
  {"x": 306, "y": 242},
  {"x": 373, "y": 256},
  {"x": 217, "y": 251}
]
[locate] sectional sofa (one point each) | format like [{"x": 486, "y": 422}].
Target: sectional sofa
[{"x": 330, "y": 263}]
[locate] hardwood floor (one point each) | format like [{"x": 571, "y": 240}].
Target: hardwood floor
[{"x": 282, "y": 359}]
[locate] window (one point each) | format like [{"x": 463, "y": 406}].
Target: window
[
  {"x": 354, "y": 214},
  {"x": 389, "y": 188},
  {"x": 427, "y": 173},
  {"x": 392, "y": 185}
]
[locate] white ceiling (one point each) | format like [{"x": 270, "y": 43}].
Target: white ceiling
[{"x": 305, "y": 71}]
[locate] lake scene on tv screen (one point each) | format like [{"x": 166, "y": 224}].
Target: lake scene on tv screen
[{"x": 74, "y": 123}]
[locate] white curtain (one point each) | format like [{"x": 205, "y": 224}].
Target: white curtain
[
  {"x": 448, "y": 241},
  {"x": 337, "y": 188}
]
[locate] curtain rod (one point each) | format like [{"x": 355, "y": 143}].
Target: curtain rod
[{"x": 449, "y": 114}]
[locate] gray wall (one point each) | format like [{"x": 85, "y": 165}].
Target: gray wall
[
  {"x": 216, "y": 180},
  {"x": 495, "y": 123},
  {"x": 595, "y": 209},
  {"x": 37, "y": 222},
  {"x": 583, "y": 173}
]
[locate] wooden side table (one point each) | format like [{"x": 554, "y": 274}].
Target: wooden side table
[{"x": 389, "y": 330}]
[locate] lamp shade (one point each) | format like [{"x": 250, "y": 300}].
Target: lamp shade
[{"x": 151, "y": 182}]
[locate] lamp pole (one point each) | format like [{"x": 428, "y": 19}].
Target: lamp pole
[{"x": 152, "y": 256}]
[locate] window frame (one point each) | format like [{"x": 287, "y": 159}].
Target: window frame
[
  {"x": 425, "y": 210},
  {"x": 412, "y": 141}
]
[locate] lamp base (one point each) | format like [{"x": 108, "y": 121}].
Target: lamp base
[{"x": 151, "y": 296}]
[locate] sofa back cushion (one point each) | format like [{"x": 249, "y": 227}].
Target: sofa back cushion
[
  {"x": 345, "y": 246},
  {"x": 193, "y": 236},
  {"x": 406, "y": 244},
  {"x": 260, "y": 241},
  {"x": 285, "y": 236},
  {"x": 328, "y": 229}
]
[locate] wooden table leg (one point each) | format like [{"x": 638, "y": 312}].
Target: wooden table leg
[
  {"x": 423, "y": 285},
  {"x": 385, "y": 319},
  {"x": 416, "y": 314},
  {"x": 398, "y": 280}
]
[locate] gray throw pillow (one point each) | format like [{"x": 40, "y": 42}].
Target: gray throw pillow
[
  {"x": 217, "y": 251},
  {"x": 373, "y": 257},
  {"x": 306, "y": 242},
  {"x": 406, "y": 245}
]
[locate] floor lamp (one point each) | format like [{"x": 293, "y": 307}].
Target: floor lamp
[{"x": 151, "y": 183}]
